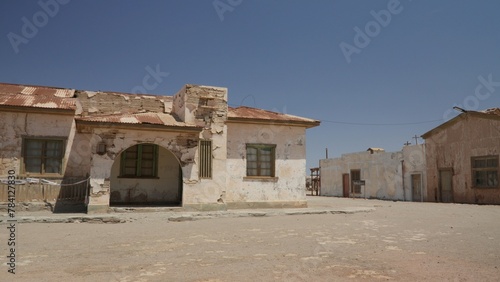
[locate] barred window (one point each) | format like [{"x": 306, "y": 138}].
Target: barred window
[
  {"x": 485, "y": 172},
  {"x": 43, "y": 155},
  {"x": 139, "y": 161},
  {"x": 260, "y": 160},
  {"x": 205, "y": 159}
]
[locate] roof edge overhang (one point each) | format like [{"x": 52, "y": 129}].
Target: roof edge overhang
[
  {"x": 142, "y": 126},
  {"x": 36, "y": 110},
  {"x": 306, "y": 124},
  {"x": 457, "y": 119}
]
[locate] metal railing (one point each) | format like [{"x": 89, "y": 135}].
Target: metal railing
[{"x": 71, "y": 189}]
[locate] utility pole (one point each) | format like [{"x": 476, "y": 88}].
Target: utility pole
[
  {"x": 407, "y": 143},
  {"x": 327, "y": 153},
  {"x": 416, "y": 139}
]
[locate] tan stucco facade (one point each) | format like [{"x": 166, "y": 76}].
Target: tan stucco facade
[{"x": 451, "y": 147}]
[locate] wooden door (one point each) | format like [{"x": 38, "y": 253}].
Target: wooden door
[
  {"x": 445, "y": 186},
  {"x": 345, "y": 184},
  {"x": 416, "y": 187}
]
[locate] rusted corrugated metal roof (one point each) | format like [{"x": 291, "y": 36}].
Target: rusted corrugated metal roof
[
  {"x": 6, "y": 88},
  {"x": 141, "y": 118},
  {"x": 242, "y": 113},
  {"x": 36, "y": 101},
  {"x": 36, "y": 97}
]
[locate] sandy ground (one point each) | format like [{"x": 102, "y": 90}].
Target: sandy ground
[{"x": 399, "y": 241}]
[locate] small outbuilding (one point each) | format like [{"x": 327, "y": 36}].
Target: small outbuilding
[{"x": 376, "y": 174}]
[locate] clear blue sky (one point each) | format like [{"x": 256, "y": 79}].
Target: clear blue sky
[{"x": 282, "y": 55}]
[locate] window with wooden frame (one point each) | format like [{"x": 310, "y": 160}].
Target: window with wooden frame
[
  {"x": 485, "y": 172},
  {"x": 205, "y": 159},
  {"x": 43, "y": 155},
  {"x": 140, "y": 161},
  {"x": 261, "y": 160}
]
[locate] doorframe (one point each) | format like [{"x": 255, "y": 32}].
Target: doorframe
[
  {"x": 346, "y": 183},
  {"x": 440, "y": 188},
  {"x": 421, "y": 185}
]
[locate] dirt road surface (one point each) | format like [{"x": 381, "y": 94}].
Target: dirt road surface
[{"x": 398, "y": 241}]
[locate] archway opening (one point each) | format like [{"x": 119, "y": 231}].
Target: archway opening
[{"x": 146, "y": 175}]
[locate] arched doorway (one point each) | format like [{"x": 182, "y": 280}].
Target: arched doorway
[{"x": 146, "y": 175}]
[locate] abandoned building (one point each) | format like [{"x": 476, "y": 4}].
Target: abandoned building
[
  {"x": 190, "y": 150},
  {"x": 376, "y": 174},
  {"x": 462, "y": 157},
  {"x": 459, "y": 163}
]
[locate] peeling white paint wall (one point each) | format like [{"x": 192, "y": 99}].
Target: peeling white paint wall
[
  {"x": 288, "y": 189},
  {"x": 16, "y": 125}
]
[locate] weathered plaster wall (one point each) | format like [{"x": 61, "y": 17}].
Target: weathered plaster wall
[
  {"x": 382, "y": 172},
  {"x": 79, "y": 156},
  {"x": 288, "y": 189},
  {"x": 453, "y": 147},
  {"x": 205, "y": 106},
  {"x": 201, "y": 105},
  {"x": 15, "y": 125},
  {"x": 163, "y": 189},
  {"x": 94, "y": 103}
]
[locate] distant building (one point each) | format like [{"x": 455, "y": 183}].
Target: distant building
[
  {"x": 188, "y": 150},
  {"x": 462, "y": 158},
  {"x": 386, "y": 175}
]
